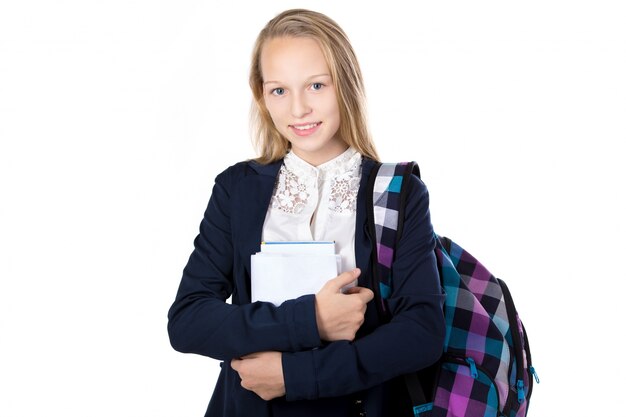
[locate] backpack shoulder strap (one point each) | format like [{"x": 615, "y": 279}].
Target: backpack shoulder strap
[{"x": 386, "y": 196}]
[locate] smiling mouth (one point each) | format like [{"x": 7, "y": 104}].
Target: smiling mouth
[{"x": 306, "y": 127}]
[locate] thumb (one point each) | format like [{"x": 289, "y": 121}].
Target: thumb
[{"x": 343, "y": 279}]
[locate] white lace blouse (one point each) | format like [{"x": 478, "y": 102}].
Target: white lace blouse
[{"x": 316, "y": 203}]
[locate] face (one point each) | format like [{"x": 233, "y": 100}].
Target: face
[{"x": 300, "y": 97}]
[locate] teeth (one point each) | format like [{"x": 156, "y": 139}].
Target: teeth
[{"x": 305, "y": 127}]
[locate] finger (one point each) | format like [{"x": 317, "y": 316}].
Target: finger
[
  {"x": 352, "y": 290},
  {"x": 356, "y": 290},
  {"x": 365, "y": 294},
  {"x": 343, "y": 279}
]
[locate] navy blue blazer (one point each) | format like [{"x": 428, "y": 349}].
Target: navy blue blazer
[{"x": 339, "y": 378}]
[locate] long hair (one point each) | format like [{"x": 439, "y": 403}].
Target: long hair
[{"x": 345, "y": 73}]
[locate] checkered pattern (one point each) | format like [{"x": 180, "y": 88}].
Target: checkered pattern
[
  {"x": 478, "y": 370},
  {"x": 386, "y": 197}
]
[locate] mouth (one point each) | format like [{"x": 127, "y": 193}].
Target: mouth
[{"x": 305, "y": 129}]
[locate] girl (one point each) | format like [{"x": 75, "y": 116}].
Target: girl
[{"x": 324, "y": 354}]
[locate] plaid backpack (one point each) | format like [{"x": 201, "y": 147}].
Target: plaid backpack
[{"x": 485, "y": 369}]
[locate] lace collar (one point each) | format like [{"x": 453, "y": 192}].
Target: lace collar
[
  {"x": 297, "y": 179},
  {"x": 348, "y": 162}
]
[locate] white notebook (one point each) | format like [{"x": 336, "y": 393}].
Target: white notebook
[{"x": 287, "y": 270}]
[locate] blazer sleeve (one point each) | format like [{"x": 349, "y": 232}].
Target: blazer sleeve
[
  {"x": 412, "y": 340},
  {"x": 200, "y": 321}
]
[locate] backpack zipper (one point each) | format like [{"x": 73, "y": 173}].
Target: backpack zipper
[
  {"x": 531, "y": 370},
  {"x": 474, "y": 369}
]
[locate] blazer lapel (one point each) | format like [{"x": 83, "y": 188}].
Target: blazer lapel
[
  {"x": 250, "y": 202},
  {"x": 362, "y": 240}
]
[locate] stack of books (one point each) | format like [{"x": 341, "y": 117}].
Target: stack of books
[{"x": 286, "y": 270}]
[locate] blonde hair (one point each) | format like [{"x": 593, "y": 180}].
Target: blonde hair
[{"x": 345, "y": 73}]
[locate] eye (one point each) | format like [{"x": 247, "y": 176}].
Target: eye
[
  {"x": 317, "y": 86},
  {"x": 278, "y": 91}
]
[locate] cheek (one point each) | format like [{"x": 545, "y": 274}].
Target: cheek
[
  {"x": 274, "y": 109},
  {"x": 330, "y": 105},
  {"x": 277, "y": 120}
]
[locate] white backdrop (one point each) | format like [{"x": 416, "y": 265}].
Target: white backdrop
[{"x": 116, "y": 116}]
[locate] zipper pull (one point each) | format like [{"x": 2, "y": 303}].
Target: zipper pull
[
  {"x": 520, "y": 391},
  {"x": 534, "y": 373},
  {"x": 472, "y": 365}
]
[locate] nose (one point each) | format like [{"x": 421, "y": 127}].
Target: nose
[{"x": 299, "y": 106}]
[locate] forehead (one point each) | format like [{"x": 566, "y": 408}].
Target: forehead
[{"x": 291, "y": 58}]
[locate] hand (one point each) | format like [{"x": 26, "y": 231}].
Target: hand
[
  {"x": 261, "y": 373},
  {"x": 339, "y": 315}
]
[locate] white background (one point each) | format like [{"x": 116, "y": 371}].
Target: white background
[{"x": 116, "y": 116}]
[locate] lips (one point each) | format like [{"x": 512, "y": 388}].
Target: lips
[{"x": 305, "y": 129}]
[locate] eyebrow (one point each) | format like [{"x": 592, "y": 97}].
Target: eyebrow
[{"x": 312, "y": 76}]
